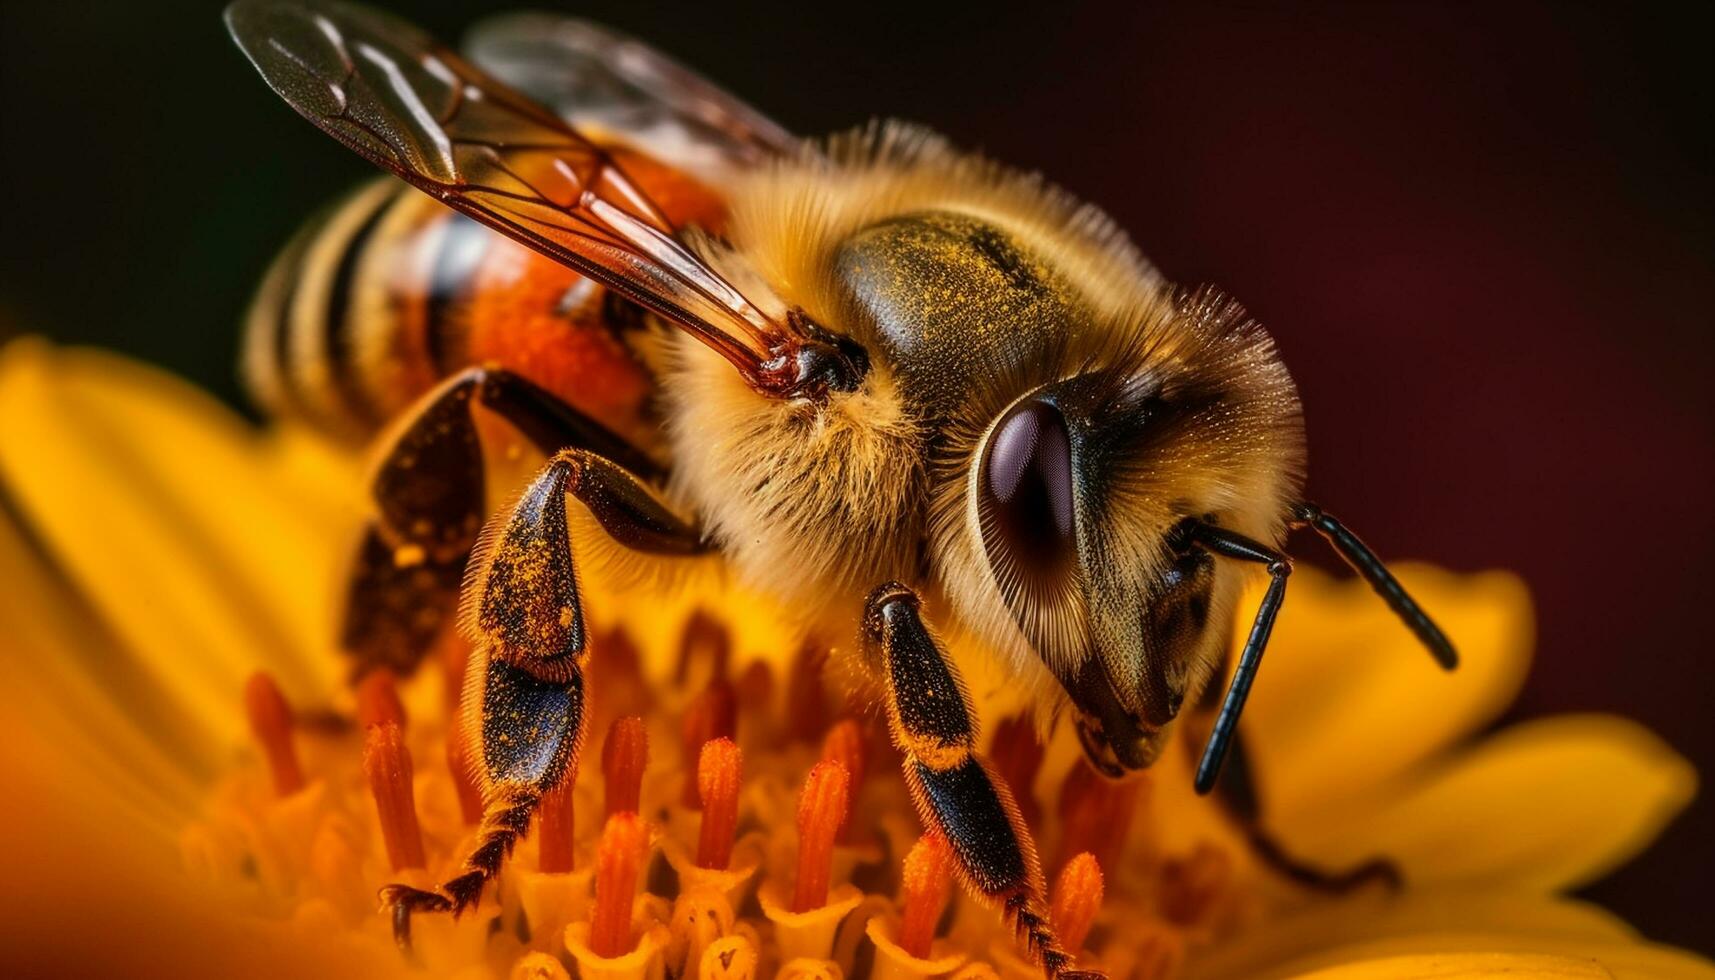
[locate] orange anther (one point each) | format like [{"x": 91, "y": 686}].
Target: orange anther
[
  {"x": 271, "y": 723},
  {"x": 720, "y": 766},
  {"x": 554, "y": 826},
  {"x": 623, "y": 758},
  {"x": 806, "y": 698},
  {"x": 845, "y": 744},
  {"x": 926, "y": 885},
  {"x": 1076, "y": 900},
  {"x": 714, "y": 714},
  {"x": 461, "y": 766},
  {"x": 387, "y": 763},
  {"x": 821, "y": 810},
  {"x": 378, "y": 699},
  {"x": 1016, "y": 754},
  {"x": 618, "y": 861}
]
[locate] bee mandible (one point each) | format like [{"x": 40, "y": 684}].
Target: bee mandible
[{"x": 878, "y": 377}]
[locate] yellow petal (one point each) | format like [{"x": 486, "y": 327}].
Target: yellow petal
[
  {"x": 1371, "y": 917},
  {"x": 66, "y": 682},
  {"x": 159, "y": 506},
  {"x": 1548, "y": 804},
  {"x": 1347, "y": 698},
  {"x": 90, "y": 893},
  {"x": 1600, "y": 965}
]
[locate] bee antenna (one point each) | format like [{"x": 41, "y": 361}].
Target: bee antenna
[
  {"x": 1366, "y": 564},
  {"x": 1230, "y": 544}
]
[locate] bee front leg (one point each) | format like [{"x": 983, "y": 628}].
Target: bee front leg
[
  {"x": 954, "y": 790},
  {"x": 428, "y": 490},
  {"x": 530, "y": 645}
]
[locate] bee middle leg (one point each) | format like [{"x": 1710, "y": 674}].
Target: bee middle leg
[
  {"x": 430, "y": 503},
  {"x": 955, "y": 791},
  {"x": 530, "y": 646}
]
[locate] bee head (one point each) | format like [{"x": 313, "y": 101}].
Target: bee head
[{"x": 1084, "y": 495}]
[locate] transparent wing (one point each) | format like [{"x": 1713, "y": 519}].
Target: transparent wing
[
  {"x": 410, "y": 105},
  {"x": 595, "y": 77}
]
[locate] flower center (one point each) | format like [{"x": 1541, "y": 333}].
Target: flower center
[{"x": 761, "y": 848}]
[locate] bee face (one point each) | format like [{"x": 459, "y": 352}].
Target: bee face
[{"x": 1076, "y": 426}]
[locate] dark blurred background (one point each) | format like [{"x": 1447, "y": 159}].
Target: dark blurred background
[{"x": 1482, "y": 235}]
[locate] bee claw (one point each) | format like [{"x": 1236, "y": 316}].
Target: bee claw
[{"x": 401, "y": 901}]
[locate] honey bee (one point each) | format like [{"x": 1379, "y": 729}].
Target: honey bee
[{"x": 877, "y": 377}]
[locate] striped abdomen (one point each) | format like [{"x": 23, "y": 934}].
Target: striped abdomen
[{"x": 388, "y": 291}]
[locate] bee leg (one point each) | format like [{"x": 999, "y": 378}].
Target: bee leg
[
  {"x": 530, "y": 645},
  {"x": 1235, "y": 790},
  {"x": 429, "y": 496},
  {"x": 954, "y": 790}
]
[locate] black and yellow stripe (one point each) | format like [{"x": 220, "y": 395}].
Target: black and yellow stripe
[{"x": 363, "y": 310}]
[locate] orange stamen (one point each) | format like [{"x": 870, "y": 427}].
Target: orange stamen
[
  {"x": 623, "y": 757},
  {"x": 271, "y": 723},
  {"x": 464, "y": 775},
  {"x": 844, "y": 744},
  {"x": 926, "y": 885},
  {"x": 618, "y": 861},
  {"x": 554, "y": 825},
  {"x": 1096, "y": 814},
  {"x": 821, "y": 810},
  {"x": 756, "y": 686},
  {"x": 1016, "y": 754},
  {"x": 714, "y": 714},
  {"x": 387, "y": 763},
  {"x": 614, "y": 677},
  {"x": 705, "y": 635},
  {"x": 1076, "y": 900},
  {"x": 806, "y": 698},
  {"x": 378, "y": 699},
  {"x": 454, "y": 652},
  {"x": 720, "y": 766}
]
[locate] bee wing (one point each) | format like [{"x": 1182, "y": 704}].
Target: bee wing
[
  {"x": 599, "y": 78},
  {"x": 410, "y": 105}
]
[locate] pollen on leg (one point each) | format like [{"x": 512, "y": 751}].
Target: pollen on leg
[
  {"x": 926, "y": 884},
  {"x": 271, "y": 723},
  {"x": 624, "y": 755},
  {"x": 387, "y": 764},
  {"x": 1076, "y": 898},
  {"x": 821, "y": 810},
  {"x": 619, "y": 861}
]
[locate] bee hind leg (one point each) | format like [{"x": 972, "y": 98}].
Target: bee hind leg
[
  {"x": 530, "y": 646},
  {"x": 954, "y": 790},
  {"x": 428, "y": 490}
]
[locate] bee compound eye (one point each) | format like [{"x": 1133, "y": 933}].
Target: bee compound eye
[{"x": 1026, "y": 487}]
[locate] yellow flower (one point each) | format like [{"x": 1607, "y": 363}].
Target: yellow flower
[{"x": 157, "y": 552}]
